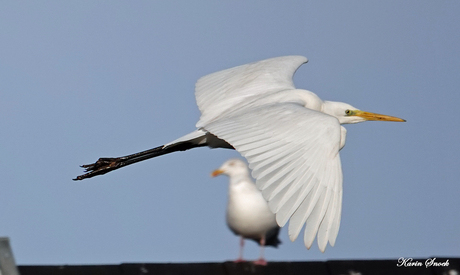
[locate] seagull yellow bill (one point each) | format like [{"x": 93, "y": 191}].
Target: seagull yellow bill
[{"x": 216, "y": 172}]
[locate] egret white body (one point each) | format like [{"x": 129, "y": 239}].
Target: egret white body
[
  {"x": 248, "y": 214},
  {"x": 290, "y": 138}
]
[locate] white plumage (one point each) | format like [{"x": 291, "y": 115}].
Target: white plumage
[
  {"x": 248, "y": 214},
  {"x": 290, "y": 138}
]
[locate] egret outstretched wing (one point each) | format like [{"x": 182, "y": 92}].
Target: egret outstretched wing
[
  {"x": 290, "y": 137},
  {"x": 294, "y": 155},
  {"x": 220, "y": 92}
]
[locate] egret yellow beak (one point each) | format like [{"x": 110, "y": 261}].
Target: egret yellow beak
[
  {"x": 217, "y": 172},
  {"x": 374, "y": 116}
]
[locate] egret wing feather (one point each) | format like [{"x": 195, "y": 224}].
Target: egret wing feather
[
  {"x": 225, "y": 91},
  {"x": 308, "y": 178}
]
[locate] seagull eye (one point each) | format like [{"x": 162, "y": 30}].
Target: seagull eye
[{"x": 348, "y": 112}]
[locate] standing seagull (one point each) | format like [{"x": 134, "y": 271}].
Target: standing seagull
[
  {"x": 248, "y": 215},
  {"x": 290, "y": 138}
]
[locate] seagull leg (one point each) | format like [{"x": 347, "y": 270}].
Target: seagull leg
[
  {"x": 240, "y": 257},
  {"x": 261, "y": 260}
]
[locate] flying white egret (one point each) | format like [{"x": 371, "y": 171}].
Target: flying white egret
[
  {"x": 290, "y": 138},
  {"x": 248, "y": 214}
]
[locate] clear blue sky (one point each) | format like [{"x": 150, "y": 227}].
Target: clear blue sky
[{"x": 85, "y": 79}]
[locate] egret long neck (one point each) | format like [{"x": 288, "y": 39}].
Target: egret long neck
[{"x": 302, "y": 97}]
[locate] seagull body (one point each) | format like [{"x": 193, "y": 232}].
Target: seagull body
[
  {"x": 248, "y": 214},
  {"x": 290, "y": 138}
]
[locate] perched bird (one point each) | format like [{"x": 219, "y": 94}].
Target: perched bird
[
  {"x": 290, "y": 138},
  {"x": 248, "y": 215}
]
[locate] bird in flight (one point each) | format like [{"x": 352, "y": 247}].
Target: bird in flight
[
  {"x": 248, "y": 214},
  {"x": 290, "y": 138}
]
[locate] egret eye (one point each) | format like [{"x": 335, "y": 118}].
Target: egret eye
[{"x": 348, "y": 112}]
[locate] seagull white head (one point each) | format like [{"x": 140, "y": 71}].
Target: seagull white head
[
  {"x": 347, "y": 114},
  {"x": 232, "y": 167}
]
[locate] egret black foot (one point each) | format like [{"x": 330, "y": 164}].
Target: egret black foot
[{"x": 100, "y": 167}]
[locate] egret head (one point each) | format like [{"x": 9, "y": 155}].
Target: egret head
[
  {"x": 232, "y": 167},
  {"x": 346, "y": 113}
]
